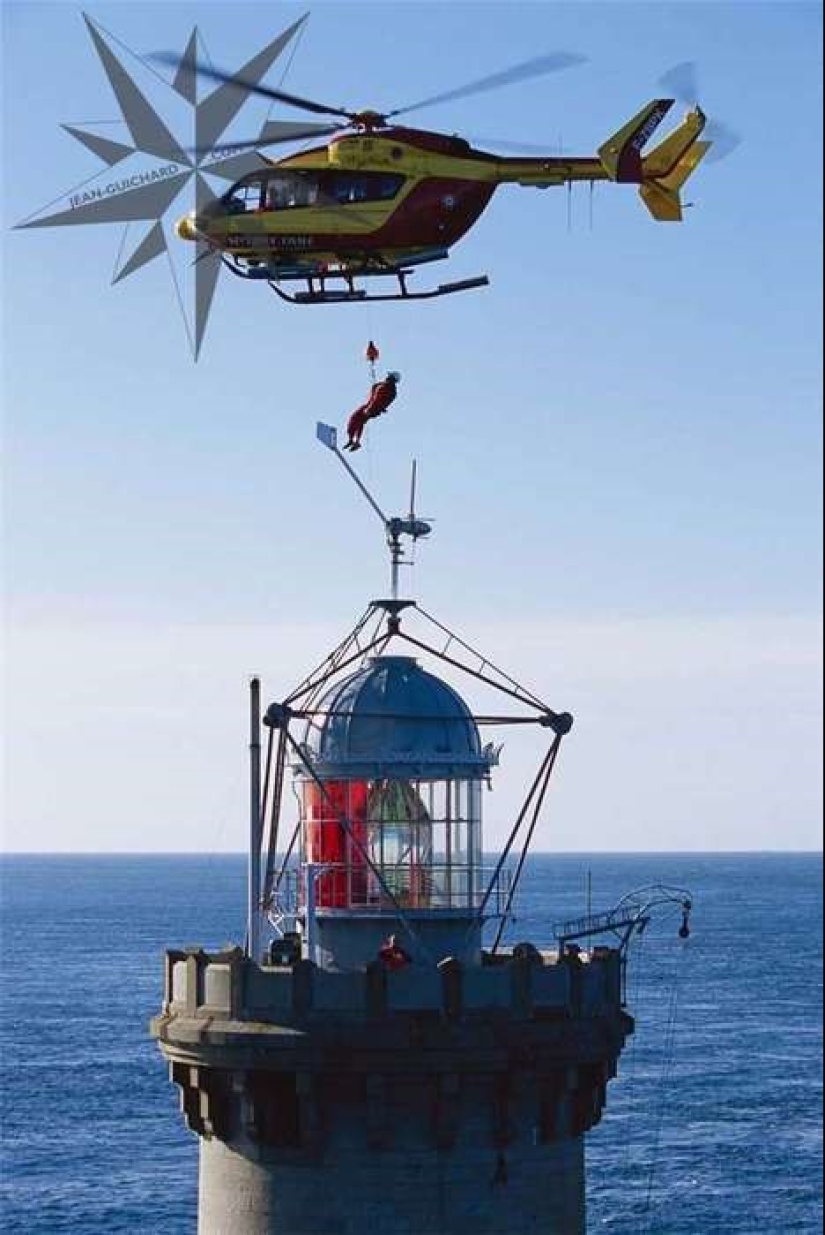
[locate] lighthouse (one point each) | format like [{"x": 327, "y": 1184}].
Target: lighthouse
[{"x": 372, "y": 1058}]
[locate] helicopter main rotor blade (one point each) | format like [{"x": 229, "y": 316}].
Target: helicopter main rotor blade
[
  {"x": 682, "y": 81},
  {"x": 278, "y": 139},
  {"x": 253, "y": 87},
  {"x": 724, "y": 141},
  {"x": 494, "y": 143},
  {"x": 554, "y": 62}
]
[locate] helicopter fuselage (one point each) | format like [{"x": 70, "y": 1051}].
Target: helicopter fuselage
[
  {"x": 380, "y": 199},
  {"x": 393, "y": 195}
]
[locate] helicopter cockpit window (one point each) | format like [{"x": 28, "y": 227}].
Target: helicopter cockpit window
[{"x": 247, "y": 195}]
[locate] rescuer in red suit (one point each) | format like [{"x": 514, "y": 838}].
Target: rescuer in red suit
[
  {"x": 381, "y": 396},
  {"x": 392, "y": 955}
]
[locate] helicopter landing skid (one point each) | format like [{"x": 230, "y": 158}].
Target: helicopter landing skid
[{"x": 318, "y": 293}]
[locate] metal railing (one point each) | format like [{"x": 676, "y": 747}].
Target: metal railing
[{"x": 438, "y": 886}]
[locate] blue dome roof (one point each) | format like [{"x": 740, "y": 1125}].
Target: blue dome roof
[{"x": 392, "y": 718}]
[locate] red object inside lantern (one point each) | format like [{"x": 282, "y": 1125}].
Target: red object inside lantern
[{"x": 330, "y": 841}]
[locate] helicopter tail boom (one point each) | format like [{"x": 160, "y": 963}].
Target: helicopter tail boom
[{"x": 662, "y": 196}]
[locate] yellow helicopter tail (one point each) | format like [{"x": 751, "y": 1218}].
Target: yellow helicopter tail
[
  {"x": 661, "y": 194},
  {"x": 621, "y": 154},
  {"x": 663, "y": 159}
]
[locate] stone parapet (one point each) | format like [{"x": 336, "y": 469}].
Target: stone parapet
[
  {"x": 227, "y": 984},
  {"x": 261, "y": 1049}
]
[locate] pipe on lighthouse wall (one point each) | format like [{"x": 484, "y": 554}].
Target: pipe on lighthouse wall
[{"x": 254, "y": 892}]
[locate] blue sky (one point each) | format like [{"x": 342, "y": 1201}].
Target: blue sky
[{"x": 619, "y": 439}]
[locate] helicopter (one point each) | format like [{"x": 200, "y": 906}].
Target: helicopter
[{"x": 379, "y": 199}]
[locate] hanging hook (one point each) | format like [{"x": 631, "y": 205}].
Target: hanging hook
[
  {"x": 371, "y": 354},
  {"x": 684, "y": 929}
]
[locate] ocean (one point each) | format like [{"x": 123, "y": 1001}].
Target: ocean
[{"x": 714, "y": 1124}]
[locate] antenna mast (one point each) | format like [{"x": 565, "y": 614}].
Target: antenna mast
[{"x": 394, "y": 527}]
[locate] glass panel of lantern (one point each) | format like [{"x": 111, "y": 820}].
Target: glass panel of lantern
[{"x": 417, "y": 842}]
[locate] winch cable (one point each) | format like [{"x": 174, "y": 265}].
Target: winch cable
[
  {"x": 632, "y": 1054},
  {"x": 668, "y": 1061}
]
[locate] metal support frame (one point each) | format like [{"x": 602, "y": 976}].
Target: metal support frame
[
  {"x": 522, "y": 692},
  {"x": 273, "y": 816},
  {"x": 334, "y": 656},
  {"x": 550, "y": 762},
  {"x": 627, "y": 918},
  {"x": 325, "y": 673},
  {"x": 632, "y": 909},
  {"x": 300, "y": 703},
  {"x": 344, "y": 657},
  {"x": 539, "y": 786}
]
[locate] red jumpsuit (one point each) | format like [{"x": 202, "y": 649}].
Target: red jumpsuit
[
  {"x": 381, "y": 396},
  {"x": 392, "y": 955}
]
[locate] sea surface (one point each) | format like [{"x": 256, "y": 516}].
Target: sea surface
[{"x": 713, "y": 1126}]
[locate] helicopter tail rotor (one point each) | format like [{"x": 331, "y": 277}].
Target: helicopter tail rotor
[
  {"x": 682, "y": 81},
  {"x": 664, "y": 158}
]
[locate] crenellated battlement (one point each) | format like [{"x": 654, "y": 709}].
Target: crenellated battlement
[{"x": 228, "y": 984}]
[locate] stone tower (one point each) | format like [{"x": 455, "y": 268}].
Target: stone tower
[{"x": 365, "y": 1064}]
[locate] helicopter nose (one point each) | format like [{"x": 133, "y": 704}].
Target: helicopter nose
[{"x": 186, "y": 227}]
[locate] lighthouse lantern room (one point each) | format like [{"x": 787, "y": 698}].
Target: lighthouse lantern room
[{"x": 389, "y": 780}]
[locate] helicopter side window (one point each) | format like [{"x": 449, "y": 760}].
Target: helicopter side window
[
  {"x": 386, "y": 187},
  {"x": 346, "y": 187},
  {"x": 288, "y": 192}
]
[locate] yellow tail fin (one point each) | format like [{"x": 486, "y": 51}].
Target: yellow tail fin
[
  {"x": 661, "y": 196},
  {"x": 663, "y": 158},
  {"x": 621, "y": 154}
]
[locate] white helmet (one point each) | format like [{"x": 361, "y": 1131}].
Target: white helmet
[{"x": 394, "y": 375}]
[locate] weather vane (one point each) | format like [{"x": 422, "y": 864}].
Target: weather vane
[{"x": 395, "y": 526}]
